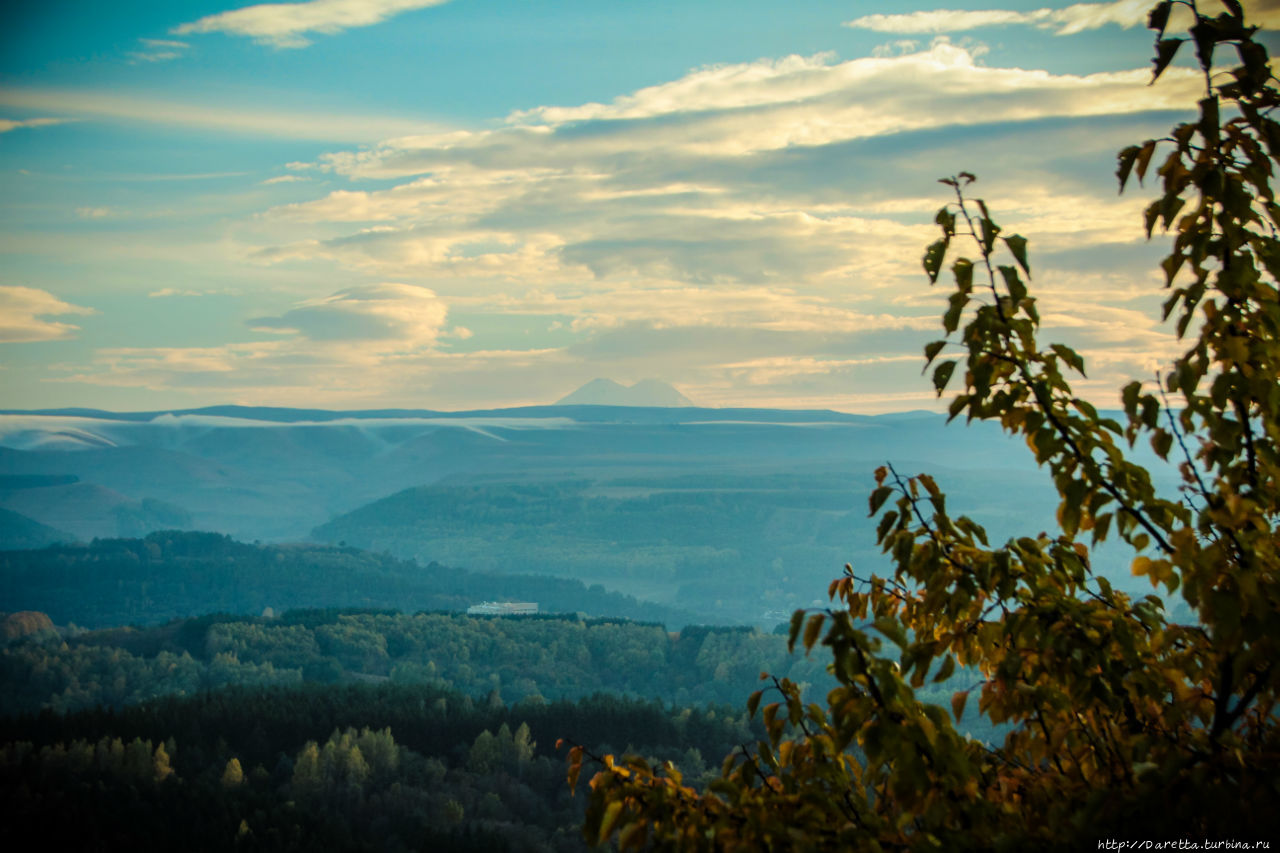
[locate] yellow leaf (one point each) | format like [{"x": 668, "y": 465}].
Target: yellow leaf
[
  {"x": 812, "y": 630},
  {"x": 610, "y": 818}
]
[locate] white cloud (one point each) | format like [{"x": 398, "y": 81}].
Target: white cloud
[
  {"x": 773, "y": 105},
  {"x": 1073, "y": 19},
  {"x": 565, "y": 191},
  {"x": 301, "y": 373},
  {"x": 94, "y": 212},
  {"x": 752, "y": 232},
  {"x": 352, "y": 346},
  {"x": 158, "y": 50},
  {"x": 895, "y": 48},
  {"x": 284, "y": 179},
  {"x": 734, "y": 229},
  {"x": 763, "y": 308},
  {"x": 285, "y": 25},
  {"x": 863, "y": 97},
  {"x": 325, "y": 126},
  {"x": 770, "y": 370},
  {"x": 397, "y": 316},
  {"x": 165, "y": 292},
  {"x": 7, "y": 124},
  {"x": 23, "y": 311}
]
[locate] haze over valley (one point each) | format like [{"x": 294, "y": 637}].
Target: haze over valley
[{"x": 733, "y": 516}]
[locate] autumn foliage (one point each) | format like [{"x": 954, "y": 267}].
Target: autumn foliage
[{"x": 1123, "y": 722}]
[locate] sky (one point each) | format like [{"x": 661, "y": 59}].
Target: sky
[{"x": 461, "y": 204}]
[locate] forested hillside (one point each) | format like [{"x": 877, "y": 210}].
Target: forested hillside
[
  {"x": 499, "y": 658},
  {"x": 343, "y": 729},
  {"x": 171, "y": 575},
  {"x": 359, "y": 767},
  {"x": 669, "y": 538}
]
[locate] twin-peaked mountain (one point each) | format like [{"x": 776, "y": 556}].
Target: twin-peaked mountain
[{"x": 606, "y": 392}]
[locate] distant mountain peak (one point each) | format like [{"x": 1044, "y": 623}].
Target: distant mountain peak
[{"x": 606, "y": 392}]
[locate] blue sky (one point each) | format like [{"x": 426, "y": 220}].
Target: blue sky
[{"x": 473, "y": 203}]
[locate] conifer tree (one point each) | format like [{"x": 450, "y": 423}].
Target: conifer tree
[{"x": 232, "y": 774}]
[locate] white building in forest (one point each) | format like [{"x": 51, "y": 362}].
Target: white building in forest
[{"x": 503, "y": 608}]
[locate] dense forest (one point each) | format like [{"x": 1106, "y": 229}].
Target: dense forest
[
  {"x": 359, "y": 729},
  {"x": 511, "y": 658},
  {"x": 358, "y": 767}
]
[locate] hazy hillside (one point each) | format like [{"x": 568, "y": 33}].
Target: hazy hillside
[
  {"x": 277, "y": 473},
  {"x": 737, "y": 548},
  {"x": 18, "y": 531},
  {"x": 88, "y": 510},
  {"x": 170, "y": 575},
  {"x": 735, "y": 514}
]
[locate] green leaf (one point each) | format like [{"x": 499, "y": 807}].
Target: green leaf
[
  {"x": 944, "y": 672},
  {"x": 1158, "y": 19},
  {"x": 1070, "y": 356},
  {"x": 942, "y": 375},
  {"x": 933, "y": 258},
  {"x": 878, "y": 497},
  {"x": 989, "y": 231},
  {"x": 962, "y": 269},
  {"x": 886, "y": 524},
  {"x": 947, "y": 220},
  {"x": 1126, "y": 158},
  {"x": 892, "y": 629},
  {"x": 1209, "y": 121},
  {"x": 1017, "y": 290},
  {"x": 1205, "y": 33},
  {"x": 1166, "y": 50},
  {"x": 1018, "y": 246},
  {"x": 957, "y": 302},
  {"x": 931, "y": 351},
  {"x": 1129, "y": 396},
  {"x": 1161, "y": 443},
  {"x": 1144, "y": 158},
  {"x": 1171, "y": 265}
]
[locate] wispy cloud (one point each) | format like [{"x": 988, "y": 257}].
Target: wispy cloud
[
  {"x": 23, "y": 311},
  {"x": 770, "y": 105},
  {"x": 751, "y": 231},
  {"x": 165, "y": 292},
  {"x": 1070, "y": 20},
  {"x": 285, "y": 25},
  {"x": 741, "y": 194},
  {"x": 94, "y": 212},
  {"x": 158, "y": 50},
  {"x": 7, "y": 125},
  {"x": 402, "y": 316},
  {"x": 323, "y": 126},
  {"x": 284, "y": 179}
]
